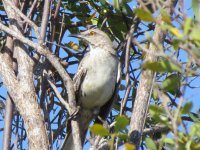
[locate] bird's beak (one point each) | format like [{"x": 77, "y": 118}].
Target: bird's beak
[
  {"x": 76, "y": 35},
  {"x": 80, "y": 36}
]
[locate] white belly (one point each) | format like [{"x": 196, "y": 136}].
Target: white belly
[{"x": 99, "y": 84}]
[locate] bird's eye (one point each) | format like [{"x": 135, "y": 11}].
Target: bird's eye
[{"x": 92, "y": 33}]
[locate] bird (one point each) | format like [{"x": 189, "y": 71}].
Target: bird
[{"x": 95, "y": 80}]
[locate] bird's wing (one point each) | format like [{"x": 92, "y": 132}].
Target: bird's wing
[
  {"x": 80, "y": 75},
  {"x": 106, "y": 108}
]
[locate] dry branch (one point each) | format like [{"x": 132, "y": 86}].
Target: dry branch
[{"x": 146, "y": 83}]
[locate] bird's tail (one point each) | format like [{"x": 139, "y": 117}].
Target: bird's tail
[
  {"x": 68, "y": 142},
  {"x": 84, "y": 118}
]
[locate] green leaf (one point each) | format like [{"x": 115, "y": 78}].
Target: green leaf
[
  {"x": 127, "y": 10},
  {"x": 172, "y": 30},
  {"x": 158, "y": 114},
  {"x": 188, "y": 145},
  {"x": 169, "y": 141},
  {"x": 195, "y": 33},
  {"x": 121, "y": 123},
  {"x": 171, "y": 84},
  {"x": 126, "y": 1},
  {"x": 122, "y": 87},
  {"x": 196, "y": 51},
  {"x": 103, "y": 2},
  {"x": 176, "y": 43},
  {"x": 129, "y": 146},
  {"x": 150, "y": 144},
  {"x": 94, "y": 21},
  {"x": 121, "y": 28},
  {"x": 98, "y": 129},
  {"x": 186, "y": 108},
  {"x": 144, "y": 15},
  {"x": 116, "y": 4},
  {"x": 161, "y": 66},
  {"x": 73, "y": 46},
  {"x": 153, "y": 110},
  {"x": 155, "y": 94},
  {"x": 123, "y": 136},
  {"x": 187, "y": 25},
  {"x": 195, "y": 7},
  {"x": 194, "y": 118},
  {"x": 165, "y": 17}
]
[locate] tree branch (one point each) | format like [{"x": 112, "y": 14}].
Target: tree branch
[
  {"x": 8, "y": 49},
  {"x": 28, "y": 107},
  {"x": 43, "y": 50},
  {"x": 145, "y": 86}
]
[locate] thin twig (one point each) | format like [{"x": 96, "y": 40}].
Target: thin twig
[
  {"x": 58, "y": 94},
  {"x": 45, "y": 18},
  {"x": 31, "y": 23}
]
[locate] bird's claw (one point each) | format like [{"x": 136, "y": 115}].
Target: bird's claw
[{"x": 73, "y": 116}]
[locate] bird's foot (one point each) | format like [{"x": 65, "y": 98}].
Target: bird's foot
[
  {"x": 74, "y": 115},
  {"x": 96, "y": 111}
]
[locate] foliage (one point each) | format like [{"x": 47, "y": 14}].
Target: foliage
[{"x": 172, "y": 104}]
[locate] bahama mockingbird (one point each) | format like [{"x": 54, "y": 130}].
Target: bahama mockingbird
[{"x": 95, "y": 80}]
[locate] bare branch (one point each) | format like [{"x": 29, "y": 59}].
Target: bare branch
[
  {"x": 9, "y": 104},
  {"x": 65, "y": 77},
  {"x": 45, "y": 18},
  {"x": 8, "y": 124},
  {"x": 145, "y": 86},
  {"x": 24, "y": 17},
  {"x": 58, "y": 95},
  {"x": 29, "y": 109}
]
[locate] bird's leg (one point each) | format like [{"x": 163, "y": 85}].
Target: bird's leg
[
  {"x": 96, "y": 111},
  {"x": 73, "y": 116}
]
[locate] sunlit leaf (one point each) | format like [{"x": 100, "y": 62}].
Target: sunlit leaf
[
  {"x": 92, "y": 16},
  {"x": 98, "y": 129},
  {"x": 103, "y": 2},
  {"x": 165, "y": 17},
  {"x": 126, "y": 1},
  {"x": 129, "y": 146},
  {"x": 173, "y": 30},
  {"x": 144, "y": 15},
  {"x": 153, "y": 109},
  {"x": 116, "y": 4},
  {"x": 176, "y": 44},
  {"x": 196, "y": 51},
  {"x": 187, "y": 25},
  {"x": 123, "y": 136},
  {"x": 195, "y": 7},
  {"x": 94, "y": 21},
  {"x": 196, "y": 146},
  {"x": 169, "y": 141},
  {"x": 172, "y": 84},
  {"x": 121, "y": 123},
  {"x": 194, "y": 118},
  {"x": 73, "y": 46},
  {"x": 150, "y": 144},
  {"x": 161, "y": 66},
  {"x": 155, "y": 95},
  {"x": 195, "y": 33},
  {"x": 186, "y": 108}
]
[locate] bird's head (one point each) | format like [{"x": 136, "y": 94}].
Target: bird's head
[{"x": 94, "y": 38}]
